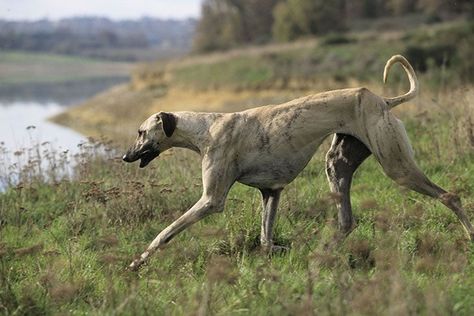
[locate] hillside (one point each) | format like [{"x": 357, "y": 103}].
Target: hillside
[{"x": 253, "y": 76}]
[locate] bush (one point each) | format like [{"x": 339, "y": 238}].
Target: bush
[
  {"x": 283, "y": 29},
  {"x": 337, "y": 38},
  {"x": 296, "y": 18},
  {"x": 437, "y": 54}
]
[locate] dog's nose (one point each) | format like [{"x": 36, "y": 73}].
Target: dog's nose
[{"x": 125, "y": 158}]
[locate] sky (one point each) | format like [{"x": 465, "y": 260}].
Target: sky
[{"x": 113, "y": 9}]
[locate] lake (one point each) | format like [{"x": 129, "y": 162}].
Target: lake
[{"x": 24, "y": 113}]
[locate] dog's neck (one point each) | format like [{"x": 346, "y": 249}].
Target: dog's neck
[{"x": 192, "y": 130}]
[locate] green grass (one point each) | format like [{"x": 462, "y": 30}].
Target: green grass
[
  {"x": 22, "y": 67},
  {"x": 245, "y": 71},
  {"x": 444, "y": 51},
  {"x": 65, "y": 244},
  {"x": 294, "y": 67}
]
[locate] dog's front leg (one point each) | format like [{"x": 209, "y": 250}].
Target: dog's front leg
[
  {"x": 270, "y": 200},
  {"x": 205, "y": 206},
  {"x": 215, "y": 189}
]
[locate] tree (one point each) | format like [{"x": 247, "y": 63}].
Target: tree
[
  {"x": 400, "y": 7},
  {"x": 284, "y": 29},
  {"x": 296, "y": 18},
  {"x": 226, "y": 23},
  {"x": 210, "y": 31}
]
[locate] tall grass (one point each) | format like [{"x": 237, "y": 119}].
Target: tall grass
[{"x": 66, "y": 241}]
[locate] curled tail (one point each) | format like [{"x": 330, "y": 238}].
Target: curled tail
[{"x": 393, "y": 102}]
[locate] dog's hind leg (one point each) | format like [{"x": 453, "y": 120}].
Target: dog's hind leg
[
  {"x": 389, "y": 143},
  {"x": 343, "y": 158}
]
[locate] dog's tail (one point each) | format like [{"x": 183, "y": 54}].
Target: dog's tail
[{"x": 393, "y": 102}]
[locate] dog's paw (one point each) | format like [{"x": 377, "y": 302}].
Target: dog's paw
[
  {"x": 138, "y": 262},
  {"x": 277, "y": 250},
  {"x": 135, "y": 265}
]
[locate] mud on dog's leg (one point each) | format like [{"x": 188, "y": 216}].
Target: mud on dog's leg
[{"x": 343, "y": 158}]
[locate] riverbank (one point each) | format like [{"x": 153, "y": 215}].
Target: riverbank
[{"x": 34, "y": 87}]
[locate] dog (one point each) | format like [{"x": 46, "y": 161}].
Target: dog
[{"x": 268, "y": 146}]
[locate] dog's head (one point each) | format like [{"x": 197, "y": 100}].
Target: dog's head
[{"x": 153, "y": 138}]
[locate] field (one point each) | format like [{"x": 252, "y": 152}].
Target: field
[
  {"x": 66, "y": 241},
  {"x": 21, "y": 68}
]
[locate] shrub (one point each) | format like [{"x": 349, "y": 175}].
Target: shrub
[
  {"x": 437, "y": 54},
  {"x": 337, "y": 38}
]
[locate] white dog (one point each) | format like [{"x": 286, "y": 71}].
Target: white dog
[{"x": 267, "y": 147}]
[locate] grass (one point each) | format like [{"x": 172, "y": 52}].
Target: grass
[
  {"x": 293, "y": 68},
  {"x": 328, "y": 59},
  {"x": 249, "y": 70},
  {"x": 22, "y": 68},
  {"x": 65, "y": 242}
]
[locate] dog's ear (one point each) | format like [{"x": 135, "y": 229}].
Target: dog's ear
[{"x": 169, "y": 122}]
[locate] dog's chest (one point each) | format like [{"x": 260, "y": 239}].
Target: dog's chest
[{"x": 271, "y": 170}]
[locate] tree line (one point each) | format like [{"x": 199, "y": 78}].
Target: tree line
[
  {"x": 228, "y": 23},
  {"x": 96, "y": 37}
]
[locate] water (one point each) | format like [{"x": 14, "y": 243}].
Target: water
[
  {"x": 25, "y": 131},
  {"x": 23, "y": 124}
]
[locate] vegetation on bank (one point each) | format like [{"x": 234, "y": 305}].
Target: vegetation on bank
[
  {"x": 66, "y": 242},
  {"x": 227, "y": 24},
  {"x": 441, "y": 50}
]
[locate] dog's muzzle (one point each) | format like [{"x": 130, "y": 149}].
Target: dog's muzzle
[{"x": 145, "y": 156}]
